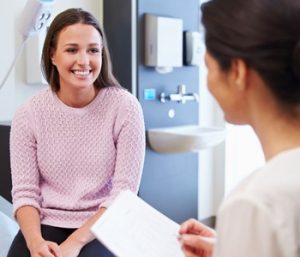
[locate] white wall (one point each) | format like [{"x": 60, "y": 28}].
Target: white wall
[{"x": 15, "y": 90}]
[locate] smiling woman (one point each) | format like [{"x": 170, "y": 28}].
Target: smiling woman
[
  {"x": 77, "y": 58},
  {"x": 75, "y": 146}
]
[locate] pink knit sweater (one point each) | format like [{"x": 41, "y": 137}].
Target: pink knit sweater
[{"x": 68, "y": 162}]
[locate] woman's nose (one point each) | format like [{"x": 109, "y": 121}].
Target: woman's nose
[{"x": 82, "y": 58}]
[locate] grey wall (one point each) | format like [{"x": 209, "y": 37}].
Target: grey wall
[{"x": 117, "y": 25}]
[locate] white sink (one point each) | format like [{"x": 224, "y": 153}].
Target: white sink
[{"x": 188, "y": 138}]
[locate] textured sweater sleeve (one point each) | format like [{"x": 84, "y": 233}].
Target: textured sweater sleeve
[
  {"x": 130, "y": 144},
  {"x": 24, "y": 168}
]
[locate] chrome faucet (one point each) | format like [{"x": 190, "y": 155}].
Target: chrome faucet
[{"x": 181, "y": 96}]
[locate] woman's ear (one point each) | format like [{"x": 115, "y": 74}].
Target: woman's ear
[
  {"x": 53, "y": 60},
  {"x": 52, "y": 57},
  {"x": 239, "y": 73}
]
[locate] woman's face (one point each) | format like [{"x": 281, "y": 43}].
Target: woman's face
[
  {"x": 78, "y": 56},
  {"x": 222, "y": 86}
]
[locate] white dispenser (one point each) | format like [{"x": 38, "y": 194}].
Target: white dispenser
[{"x": 163, "y": 42}]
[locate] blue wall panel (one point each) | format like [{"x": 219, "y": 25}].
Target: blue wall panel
[{"x": 169, "y": 181}]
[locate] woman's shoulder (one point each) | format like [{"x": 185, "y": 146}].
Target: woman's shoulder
[
  {"x": 39, "y": 98},
  {"x": 118, "y": 91},
  {"x": 280, "y": 175},
  {"x": 36, "y": 101},
  {"x": 32, "y": 107},
  {"x": 274, "y": 188},
  {"x": 120, "y": 96}
]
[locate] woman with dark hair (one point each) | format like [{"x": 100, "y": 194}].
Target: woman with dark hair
[
  {"x": 253, "y": 61},
  {"x": 74, "y": 146}
]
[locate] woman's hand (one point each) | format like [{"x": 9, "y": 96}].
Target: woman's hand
[
  {"x": 44, "y": 248},
  {"x": 197, "y": 240}
]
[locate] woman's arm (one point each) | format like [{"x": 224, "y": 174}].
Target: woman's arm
[
  {"x": 248, "y": 227},
  {"x": 26, "y": 190},
  {"x": 79, "y": 238},
  {"x": 28, "y": 218},
  {"x": 23, "y": 160},
  {"x": 129, "y": 137}
]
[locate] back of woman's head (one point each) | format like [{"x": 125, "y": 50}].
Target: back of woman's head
[
  {"x": 66, "y": 18},
  {"x": 265, "y": 34}
]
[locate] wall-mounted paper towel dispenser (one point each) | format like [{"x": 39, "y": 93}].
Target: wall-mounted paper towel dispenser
[{"x": 163, "y": 42}]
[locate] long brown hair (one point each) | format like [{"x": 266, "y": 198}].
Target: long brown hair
[{"x": 62, "y": 20}]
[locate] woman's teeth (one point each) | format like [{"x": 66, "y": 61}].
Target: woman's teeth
[{"x": 81, "y": 73}]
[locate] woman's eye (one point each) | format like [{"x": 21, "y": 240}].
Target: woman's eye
[
  {"x": 94, "y": 50},
  {"x": 71, "y": 50}
]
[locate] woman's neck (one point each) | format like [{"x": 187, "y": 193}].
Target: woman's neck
[
  {"x": 277, "y": 134},
  {"x": 276, "y": 129},
  {"x": 77, "y": 98}
]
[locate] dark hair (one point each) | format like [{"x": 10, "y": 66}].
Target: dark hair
[
  {"x": 265, "y": 34},
  {"x": 62, "y": 20}
]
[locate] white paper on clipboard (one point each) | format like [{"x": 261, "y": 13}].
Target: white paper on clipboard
[{"x": 132, "y": 228}]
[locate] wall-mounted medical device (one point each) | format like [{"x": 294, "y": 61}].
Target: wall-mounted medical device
[
  {"x": 34, "y": 18},
  {"x": 163, "y": 42}
]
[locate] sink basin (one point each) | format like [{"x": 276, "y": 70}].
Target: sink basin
[{"x": 188, "y": 138}]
